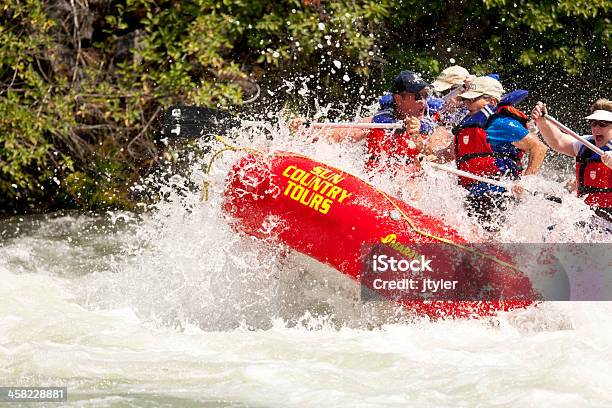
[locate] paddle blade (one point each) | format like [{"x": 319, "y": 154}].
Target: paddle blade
[
  {"x": 194, "y": 122},
  {"x": 553, "y": 198},
  {"x": 515, "y": 97}
]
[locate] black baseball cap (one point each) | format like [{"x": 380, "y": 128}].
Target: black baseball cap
[{"x": 408, "y": 81}]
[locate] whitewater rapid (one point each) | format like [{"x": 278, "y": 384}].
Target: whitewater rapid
[{"x": 173, "y": 307}]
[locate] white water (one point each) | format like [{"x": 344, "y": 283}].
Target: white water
[{"x": 173, "y": 308}]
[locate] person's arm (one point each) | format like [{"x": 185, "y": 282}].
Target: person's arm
[
  {"x": 444, "y": 154},
  {"x": 336, "y": 135},
  {"x": 440, "y": 139},
  {"x": 571, "y": 185},
  {"x": 557, "y": 140},
  {"x": 332, "y": 135},
  {"x": 413, "y": 130},
  {"x": 536, "y": 150}
]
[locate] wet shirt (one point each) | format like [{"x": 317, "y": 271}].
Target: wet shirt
[{"x": 505, "y": 130}]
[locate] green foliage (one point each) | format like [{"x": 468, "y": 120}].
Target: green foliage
[
  {"x": 563, "y": 32},
  {"x": 81, "y": 84}
]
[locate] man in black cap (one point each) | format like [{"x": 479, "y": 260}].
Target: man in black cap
[
  {"x": 407, "y": 102},
  {"x": 410, "y": 93}
]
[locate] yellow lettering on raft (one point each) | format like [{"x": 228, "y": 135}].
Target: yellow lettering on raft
[
  {"x": 333, "y": 192},
  {"x": 290, "y": 185},
  {"x": 299, "y": 173},
  {"x": 336, "y": 178},
  {"x": 316, "y": 170},
  {"x": 307, "y": 197},
  {"x": 316, "y": 201},
  {"x": 391, "y": 241},
  {"x": 344, "y": 194},
  {"x": 388, "y": 239},
  {"x": 311, "y": 188},
  {"x": 316, "y": 183},
  {"x": 303, "y": 199},
  {"x": 299, "y": 190},
  {"x": 326, "y": 174},
  {"x": 287, "y": 169},
  {"x": 324, "y": 189},
  {"x": 304, "y": 180},
  {"x": 325, "y": 206}
]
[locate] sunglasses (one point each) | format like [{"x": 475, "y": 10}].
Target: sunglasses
[
  {"x": 600, "y": 123},
  {"x": 471, "y": 100},
  {"x": 421, "y": 95}
]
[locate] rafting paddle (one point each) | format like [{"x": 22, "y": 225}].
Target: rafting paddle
[
  {"x": 574, "y": 135},
  {"x": 493, "y": 182},
  {"x": 194, "y": 122},
  {"x": 356, "y": 125}
]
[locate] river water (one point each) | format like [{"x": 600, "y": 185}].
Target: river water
[{"x": 173, "y": 308}]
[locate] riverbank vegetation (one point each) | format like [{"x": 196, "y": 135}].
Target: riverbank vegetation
[{"x": 83, "y": 82}]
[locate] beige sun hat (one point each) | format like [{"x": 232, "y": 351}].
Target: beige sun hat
[
  {"x": 484, "y": 85},
  {"x": 450, "y": 77}
]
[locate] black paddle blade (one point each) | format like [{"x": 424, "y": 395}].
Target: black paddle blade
[
  {"x": 553, "y": 198},
  {"x": 195, "y": 122},
  {"x": 548, "y": 197}
]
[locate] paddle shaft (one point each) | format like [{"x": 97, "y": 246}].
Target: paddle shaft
[
  {"x": 574, "y": 135},
  {"x": 320, "y": 125},
  {"x": 489, "y": 181},
  {"x": 470, "y": 175},
  {"x": 358, "y": 125}
]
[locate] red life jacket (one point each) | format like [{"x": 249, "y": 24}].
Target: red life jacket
[
  {"x": 397, "y": 147},
  {"x": 594, "y": 178},
  {"x": 474, "y": 154}
]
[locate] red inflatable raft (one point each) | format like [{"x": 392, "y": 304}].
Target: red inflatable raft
[{"x": 338, "y": 219}]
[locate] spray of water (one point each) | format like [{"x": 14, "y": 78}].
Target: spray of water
[
  {"x": 173, "y": 306},
  {"x": 182, "y": 262}
]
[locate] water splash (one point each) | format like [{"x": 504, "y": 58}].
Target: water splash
[{"x": 182, "y": 263}]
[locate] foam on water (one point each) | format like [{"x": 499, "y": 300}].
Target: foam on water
[{"x": 174, "y": 307}]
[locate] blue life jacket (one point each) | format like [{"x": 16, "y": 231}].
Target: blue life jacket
[
  {"x": 474, "y": 154},
  {"x": 386, "y": 112}
]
